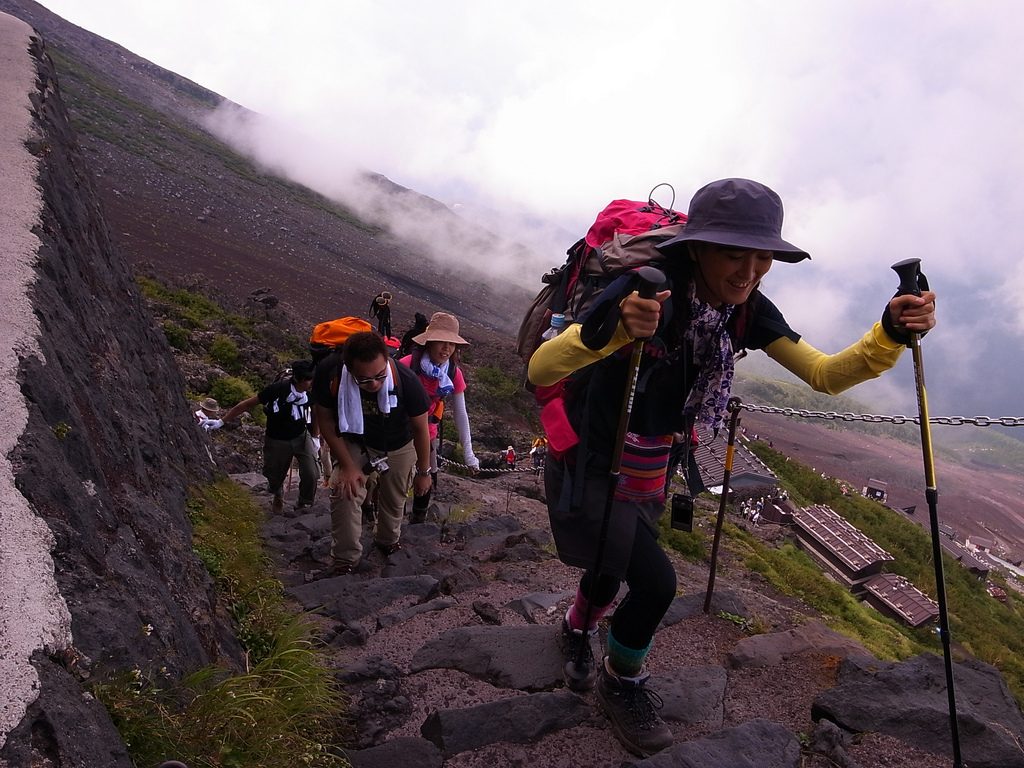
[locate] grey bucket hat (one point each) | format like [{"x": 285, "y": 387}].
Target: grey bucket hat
[{"x": 740, "y": 213}]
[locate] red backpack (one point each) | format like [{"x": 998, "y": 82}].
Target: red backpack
[{"x": 623, "y": 236}]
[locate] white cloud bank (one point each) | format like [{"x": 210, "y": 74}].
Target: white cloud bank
[{"x": 890, "y": 130}]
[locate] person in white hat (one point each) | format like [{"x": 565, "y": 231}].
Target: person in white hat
[{"x": 435, "y": 361}]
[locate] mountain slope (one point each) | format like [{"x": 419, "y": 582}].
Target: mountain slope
[{"x": 181, "y": 201}]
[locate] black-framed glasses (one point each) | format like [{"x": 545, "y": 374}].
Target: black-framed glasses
[{"x": 370, "y": 379}]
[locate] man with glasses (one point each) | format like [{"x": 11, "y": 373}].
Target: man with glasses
[{"x": 373, "y": 414}]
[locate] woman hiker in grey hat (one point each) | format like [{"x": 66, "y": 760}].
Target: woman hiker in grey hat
[{"x": 712, "y": 309}]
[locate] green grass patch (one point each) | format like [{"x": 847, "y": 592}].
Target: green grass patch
[
  {"x": 226, "y": 537},
  {"x": 494, "y": 384},
  {"x": 284, "y": 709},
  {"x": 191, "y": 309},
  {"x": 497, "y": 391}
]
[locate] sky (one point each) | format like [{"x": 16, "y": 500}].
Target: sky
[{"x": 891, "y": 130}]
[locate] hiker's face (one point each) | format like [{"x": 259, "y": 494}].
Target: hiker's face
[
  {"x": 370, "y": 376},
  {"x": 728, "y": 275},
  {"x": 302, "y": 385},
  {"x": 440, "y": 351}
]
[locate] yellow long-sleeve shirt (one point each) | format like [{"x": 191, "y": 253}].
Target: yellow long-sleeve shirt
[{"x": 867, "y": 358}]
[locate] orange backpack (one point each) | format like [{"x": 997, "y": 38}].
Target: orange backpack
[{"x": 330, "y": 335}]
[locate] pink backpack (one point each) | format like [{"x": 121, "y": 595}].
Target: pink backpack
[{"x": 623, "y": 236}]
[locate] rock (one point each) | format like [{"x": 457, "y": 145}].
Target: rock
[
  {"x": 692, "y": 695},
  {"x": 755, "y": 744},
  {"x": 830, "y": 740},
  {"x": 908, "y": 700},
  {"x": 722, "y": 600},
  {"x": 518, "y": 719},
  {"x": 771, "y": 649},
  {"x": 409, "y": 752},
  {"x": 487, "y": 612},
  {"x": 251, "y": 480},
  {"x": 544, "y": 602},
  {"x": 390, "y": 619},
  {"x": 524, "y": 658},
  {"x": 346, "y": 598}
]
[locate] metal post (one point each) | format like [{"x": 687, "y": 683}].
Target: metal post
[{"x": 734, "y": 407}]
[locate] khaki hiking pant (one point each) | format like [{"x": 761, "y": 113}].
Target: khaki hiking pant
[{"x": 346, "y": 514}]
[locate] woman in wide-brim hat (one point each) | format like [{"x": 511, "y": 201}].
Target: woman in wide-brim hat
[
  {"x": 710, "y": 309},
  {"x": 435, "y": 360}
]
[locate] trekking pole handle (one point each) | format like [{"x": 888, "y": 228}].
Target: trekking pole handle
[
  {"x": 650, "y": 279},
  {"x": 908, "y": 271}
]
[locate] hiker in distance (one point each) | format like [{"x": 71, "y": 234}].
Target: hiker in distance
[
  {"x": 710, "y": 309},
  {"x": 380, "y": 308},
  {"x": 289, "y": 434},
  {"x": 435, "y": 360},
  {"x": 372, "y": 412}
]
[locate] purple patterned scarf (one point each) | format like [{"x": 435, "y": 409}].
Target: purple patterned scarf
[{"x": 712, "y": 352}]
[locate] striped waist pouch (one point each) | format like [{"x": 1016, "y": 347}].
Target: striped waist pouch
[{"x": 644, "y": 464}]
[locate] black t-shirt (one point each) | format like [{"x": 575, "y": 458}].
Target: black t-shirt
[
  {"x": 381, "y": 432},
  {"x": 282, "y": 423}
]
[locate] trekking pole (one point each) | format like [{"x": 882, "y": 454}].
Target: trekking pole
[
  {"x": 908, "y": 271},
  {"x": 734, "y": 407},
  {"x": 650, "y": 278}
]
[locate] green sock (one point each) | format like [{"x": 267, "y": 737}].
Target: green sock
[{"x": 625, "y": 662}]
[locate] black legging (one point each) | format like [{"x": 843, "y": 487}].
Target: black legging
[{"x": 652, "y": 587}]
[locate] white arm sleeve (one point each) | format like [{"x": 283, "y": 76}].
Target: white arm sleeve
[{"x": 462, "y": 428}]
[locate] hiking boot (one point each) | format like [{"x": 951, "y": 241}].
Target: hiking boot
[
  {"x": 633, "y": 712},
  {"x": 277, "y": 505},
  {"x": 388, "y": 549},
  {"x": 335, "y": 569},
  {"x": 300, "y": 505},
  {"x": 580, "y": 672}
]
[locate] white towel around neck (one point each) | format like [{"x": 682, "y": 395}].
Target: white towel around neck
[
  {"x": 297, "y": 399},
  {"x": 350, "y": 403}
]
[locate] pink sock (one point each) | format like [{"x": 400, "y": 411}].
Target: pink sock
[{"x": 577, "y": 613}]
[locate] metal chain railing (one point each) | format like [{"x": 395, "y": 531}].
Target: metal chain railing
[
  {"x": 977, "y": 421},
  {"x": 450, "y": 463},
  {"x": 871, "y": 418}
]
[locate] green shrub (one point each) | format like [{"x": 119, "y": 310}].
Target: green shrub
[
  {"x": 224, "y": 352},
  {"x": 177, "y": 336},
  {"x": 230, "y": 390}
]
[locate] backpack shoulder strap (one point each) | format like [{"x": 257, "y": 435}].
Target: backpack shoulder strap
[
  {"x": 336, "y": 378},
  {"x": 396, "y": 376}
]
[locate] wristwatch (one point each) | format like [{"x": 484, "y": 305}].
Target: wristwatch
[{"x": 422, "y": 472}]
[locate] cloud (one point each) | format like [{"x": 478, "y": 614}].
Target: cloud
[{"x": 890, "y": 130}]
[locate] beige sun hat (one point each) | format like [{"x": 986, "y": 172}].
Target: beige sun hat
[
  {"x": 442, "y": 327},
  {"x": 209, "y": 406}
]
